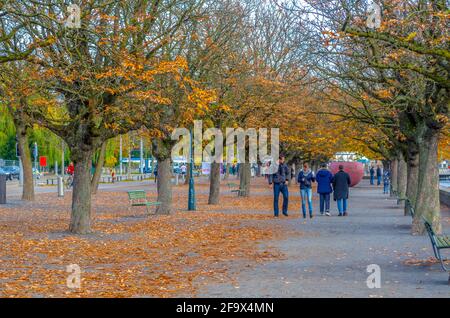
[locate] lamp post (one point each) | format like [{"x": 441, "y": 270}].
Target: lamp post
[{"x": 191, "y": 198}]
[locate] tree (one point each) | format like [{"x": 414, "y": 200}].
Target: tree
[
  {"x": 398, "y": 75},
  {"x": 101, "y": 76}
]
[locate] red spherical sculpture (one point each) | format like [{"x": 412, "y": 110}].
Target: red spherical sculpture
[{"x": 354, "y": 169}]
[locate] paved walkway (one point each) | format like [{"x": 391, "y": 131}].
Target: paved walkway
[{"x": 330, "y": 258}]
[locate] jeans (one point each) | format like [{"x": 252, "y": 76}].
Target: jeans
[
  {"x": 277, "y": 188},
  {"x": 371, "y": 179},
  {"x": 386, "y": 188},
  {"x": 378, "y": 180},
  {"x": 342, "y": 205},
  {"x": 306, "y": 195},
  {"x": 324, "y": 202}
]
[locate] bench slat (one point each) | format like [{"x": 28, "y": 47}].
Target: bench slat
[
  {"x": 442, "y": 241},
  {"x": 139, "y": 194}
]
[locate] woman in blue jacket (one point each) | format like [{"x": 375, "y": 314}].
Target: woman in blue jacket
[{"x": 324, "y": 178}]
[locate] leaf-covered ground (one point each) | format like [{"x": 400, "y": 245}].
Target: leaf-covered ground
[{"x": 130, "y": 254}]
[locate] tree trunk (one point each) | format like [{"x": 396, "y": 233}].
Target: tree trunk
[
  {"x": 245, "y": 177},
  {"x": 98, "y": 168},
  {"x": 412, "y": 176},
  {"x": 214, "y": 184},
  {"x": 394, "y": 178},
  {"x": 80, "y": 220},
  {"x": 188, "y": 173},
  {"x": 427, "y": 200},
  {"x": 402, "y": 176},
  {"x": 289, "y": 176},
  {"x": 164, "y": 186},
  {"x": 27, "y": 165}
]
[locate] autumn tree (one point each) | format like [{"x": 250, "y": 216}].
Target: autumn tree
[
  {"x": 15, "y": 96},
  {"x": 399, "y": 76},
  {"x": 101, "y": 75}
]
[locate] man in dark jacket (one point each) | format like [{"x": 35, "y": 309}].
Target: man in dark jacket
[
  {"x": 305, "y": 179},
  {"x": 323, "y": 179},
  {"x": 372, "y": 175},
  {"x": 279, "y": 181},
  {"x": 379, "y": 175},
  {"x": 341, "y": 183}
]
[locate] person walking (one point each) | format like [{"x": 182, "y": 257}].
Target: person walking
[
  {"x": 341, "y": 183},
  {"x": 372, "y": 175},
  {"x": 183, "y": 170},
  {"x": 386, "y": 181},
  {"x": 305, "y": 179},
  {"x": 323, "y": 179},
  {"x": 278, "y": 181},
  {"x": 155, "y": 172},
  {"x": 379, "y": 175}
]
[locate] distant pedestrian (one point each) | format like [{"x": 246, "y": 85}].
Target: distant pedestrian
[
  {"x": 379, "y": 175},
  {"x": 386, "y": 181},
  {"x": 113, "y": 175},
  {"x": 324, "y": 178},
  {"x": 372, "y": 175},
  {"x": 341, "y": 183},
  {"x": 155, "y": 173},
  {"x": 70, "y": 169},
  {"x": 266, "y": 170},
  {"x": 305, "y": 179},
  {"x": 183, "y": 170},
  {"x": 278, "y": 181}
]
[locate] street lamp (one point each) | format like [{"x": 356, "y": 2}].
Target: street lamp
[{"x": 191, "y": 198}]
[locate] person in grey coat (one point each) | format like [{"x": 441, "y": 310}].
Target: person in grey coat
[{"x": 341, "y": 183}]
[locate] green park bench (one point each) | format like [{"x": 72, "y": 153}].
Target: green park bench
[
  {"x": 410, "y": 207},
  {"x": 408, "y": 204},
  {"x": 234, "y": 188},
  {"x": 438, "y": 242},
  {"x": 139, "y": 198}
]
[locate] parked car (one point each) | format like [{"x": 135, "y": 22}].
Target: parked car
[
  {"x": 6, "y": 173},
  {"x": 14, "y": 171}
]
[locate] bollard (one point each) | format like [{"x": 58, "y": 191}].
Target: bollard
[
  {"x": 2, "y": 189},
  {"x": 60, "y": 187}
]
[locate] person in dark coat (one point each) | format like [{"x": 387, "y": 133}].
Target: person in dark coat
[
  {"x": 386, "y": 181},
  {"x": 279, "y": 182},
  {"x": 323, "y": 179},
  {"x": 379, "y": 175},
  {"x": 372, "y": 175},
  {"x": 341, "y": 183}
]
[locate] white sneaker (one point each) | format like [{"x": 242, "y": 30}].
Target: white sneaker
[{"x": 327, "y": 214}]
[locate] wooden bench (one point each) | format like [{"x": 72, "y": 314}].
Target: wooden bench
[
  {"x": 408, "y": 205},
  {"x": 438, "y": 242},
  {"x": 233, "y": 187},
  {"x": 139, "y": 198}
]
